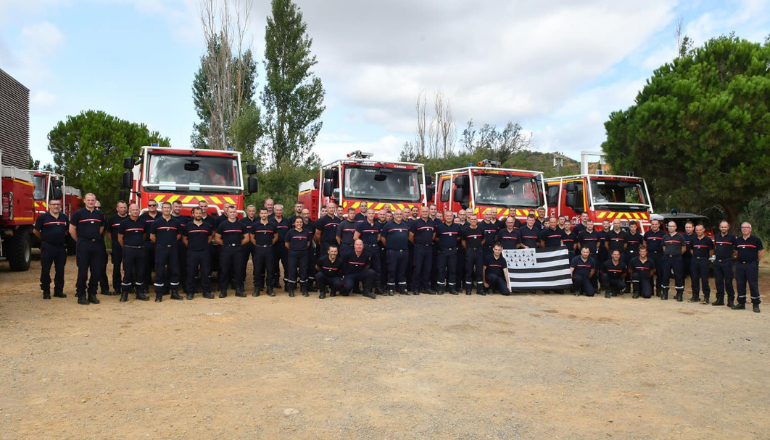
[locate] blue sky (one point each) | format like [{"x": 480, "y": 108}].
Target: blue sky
[{"x": 557, "y": 67}]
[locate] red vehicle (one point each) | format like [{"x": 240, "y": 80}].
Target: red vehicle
[
  {"x": 44, "y": 192},
  {"x": 73, "y": 200},
  {"x": 483, "y": 187},
  {"x": 168, "y": 174},
  {"x": 603, "y": 197},
  {"x": 348, "y": 182},
  {"x": 18, "y": 214}
]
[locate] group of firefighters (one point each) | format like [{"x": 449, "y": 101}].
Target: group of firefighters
[{"x": 409, "y": 251}]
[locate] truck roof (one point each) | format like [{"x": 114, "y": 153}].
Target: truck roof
[
  {"x": 16, "y": 173},
  {"x": 509, "y": 170}
]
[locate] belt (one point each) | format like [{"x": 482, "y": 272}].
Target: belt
[
  {"x": 420, "y": 244},
  {"x": 133, "y": 247},
  {"x": 371, "y": 245},
  {"x": 232, "y": 245},
  {"x": 748, "y": 262},
  {"x": 473, "y": 249},
  {"x": 701, "y": 258},
  {"x": 448, "y": 249},
  {"x": 346, "y": 244},
  {"x": 86, "y": 239},
  {"x": 263, "y": 245},
  {"x": 55, "y": 244},
  {"x": 723, "y": 260},
  {"x": 167, "y": 245},
  {"x": 398, "y": 250},
  {"x": 655, "y": 252}
]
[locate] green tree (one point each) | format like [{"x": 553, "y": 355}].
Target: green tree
[
  {"x": 293, "y": 96},
  {"x": 88, "y": 149},
  {"x": 700, "y": 129}
]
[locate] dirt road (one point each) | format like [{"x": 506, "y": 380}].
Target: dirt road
[{"x": 433, "y": 367}]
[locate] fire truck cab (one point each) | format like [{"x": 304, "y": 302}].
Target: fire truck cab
[
  {"x": 48, "y": 186},
  {"x": 359, "y": 178},
  {"x": 167, "y": 174},
  {"x": 603, "y": 197},
  {"x": 483, "y": 187}
]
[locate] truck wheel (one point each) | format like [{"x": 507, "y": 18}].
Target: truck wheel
[{"x": 20, "y": 250}]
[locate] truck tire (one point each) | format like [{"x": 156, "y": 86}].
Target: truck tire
[{"x": 19, "y": 249}]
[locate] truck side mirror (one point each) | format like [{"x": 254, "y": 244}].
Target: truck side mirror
[
  {"x": 459, "y": 194},
  {"x": 123, "y": 195},
  {"x": 428, "y": 180},
  {"x": 315, "y": 183},
  {"x": 328, "y": 188},
  {"x": 251, "y": 169},
  {"x": 56, "y": 183},
  {"x": 253, "y": 184},
  {"x": 128, "y": 180},
  {"x": 128, "y": 163},
  {"x": 461, "y": 182},
  {"x": 570, "y": 187},
  {"x": 570, "y": 200},
  {"x": 429, "y": 193},
  {"x": 57, "y": 194},
  {"x": 329, "y": 174}
]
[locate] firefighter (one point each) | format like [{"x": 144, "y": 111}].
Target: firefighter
[
  {"x": 642, "y": 270},
  {"x": 496, "y": 271},
  {"x": 326, "y": 228},
  {"x": 674, "y": 246},
  {"x": 489, "y": 226},
  {"x": 447, "y": 236},
  {"x": 472, "y": 239},
  {"x": 381, "y": 222},
  {"x": 298, "y": 206},
  {"x": 395, "y": 238},
  {"x": 689, "y": 236},
  {"x": 509, "y": 235},
  {"x": 529, "y": 234},
  {"x": 247, "y": 251},
  {"x": 345, "y": 232},
  {"x": 368, "y": 232},
  {"x": 653, "y": 239},
  {"x": 634, "y": 240},
  {"x": 602, "y": 254},
  {"x": 176, "y": 212},
  {"x": 582, "y": 268},
  {"x": 613, "y": 274},
  {"x": 329, "y": 273},
  {"x": 297, "y": 241},
  {"x": 355, "y": 269},
  {"x": 113, "y": 228},
  {"x": 615, "y": 239},
  {"x": 131, "y": 240},
  {"x": 165, "y": 234},
  {"x": 569, "y": 239},
  {"x": 363, "y": 208},
  {"x": 724, "y": 248},
  {"x": 51, "y": 228},
  {"x": 580, "y": 227},
  {"x": 213, "y": 250},
  {"x": 270, "y": 205},
  {"x": 311, "y": 250},
  {"x": 437, "y": 217},
  {"x": 462, "y": 220},
  {"x": 421, "y": 234},
  {"x": 103, "y": 281},
  {"x": 701, "y": 249},
  {"x": 86, "y": 228},
  {"x": 280, "y": 253},
  {"x": 149, "y": 247},
  {"x": 196, "y": 236},
  {"x": 263, "y": 236},
  {"x": 231, "y": 235},
  {"x": 749, "y": 251},
  {"x": 551, "y": 236}
]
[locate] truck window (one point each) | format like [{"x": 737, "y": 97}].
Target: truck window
[
  {"x": 491, "y": 189},
  {"x": 617, "y": 191},
  {"x": 39, "y": 192},
  {"x": 398, "y": 185},
  {"x": 168, "y": 172},
  {"x": 446, "y": 186},
  {"x": 553, "y": 194}
]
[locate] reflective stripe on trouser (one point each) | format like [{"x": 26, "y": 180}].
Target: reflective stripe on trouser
[
  {"x": 198, "y": 263},
  {"x": 133, "y": 267},
  {"x": 723, "y": 278},
  {"x": 56, "y": 256},
  {"x": 699, "y": 271},
  {"x": 673, "y": 262},
  {"x": 747, "y": 272},
  {"x": 397, "y": 269},
  {"x": 89, "y": 257},
  {"x": 297, "y": 263},
  {"x": 166, "y": 260},
  {"x": 642, "y": 285},
  {"x": 447, "y": 268}
]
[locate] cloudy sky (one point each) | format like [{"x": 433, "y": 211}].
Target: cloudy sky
[{"x": 558, "y": 67}]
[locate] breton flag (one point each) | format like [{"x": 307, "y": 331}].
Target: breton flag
[{"x": 538, "y": 269}]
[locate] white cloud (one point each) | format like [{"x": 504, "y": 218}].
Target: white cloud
[
  {"x": 42, "y": 100},
  {"x": 333, "y": 147}
]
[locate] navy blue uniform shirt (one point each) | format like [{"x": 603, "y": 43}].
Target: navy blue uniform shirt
[
  {"x": 748, "y": 248},
  {"x": 529, "y": 236},
  {"x": 396, "y": 235},
  {"x": 582, "y": 267},
  {"x": 345, "y": 231},
  {"x": 551, "y": 237},
  {"x": 724, "y": 246},
  {"x": 701, "y": 247},
  {"x": 447, "y": 235},
  {"x": 328, "y": 227},
  {"x": 615, "y": 272},
  {"x": 509, "y": 239},
  {"x": 88, "y": 223},
  {"x": 328, "y": 267},
  {"x": 654, "y": 240},
  {"x": 423, "y": 230},
  {"x": 263, "y": 233},
  {"x": 53, "y": 229},
  {"x": 355, "y": 263},
  {"x": 133, "y": 231},
  {"x": 167, "y": 232},
  {"x": 197, "y": 235},
  {"x": 298, "y": 240},
  {"x": 644, "y": 269},
  {"x": 368, "y": 233},
  {"x": 495, "y": 265},
  {"x": 232, "y": 232},
  {"x": 472, "y": 237}
]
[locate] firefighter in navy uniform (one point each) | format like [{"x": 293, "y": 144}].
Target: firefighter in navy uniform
[
  {"x": 104, "y": 280},
  {"x": 701, "y": 248},
  {"x": 421, "y": 234},
  {"x": 748, "y": 252},
  {"x": 724, "y": 249},
  {"x": 86, "y": 228},
  {"x": 496, "y": 271},
  {"x": 368, "y": 231},
  {"x": 345, "y": 232},
  {"x": 568, "y": 238},
  {"x": 395, "y": 238},
  {"x": 551, "y": 236},
  {"x": 326, "y": 229},
  {"x": 642, "y": 270},
  {"x": 529, "y": 234},
  {"x": 113, "y": 228},
  {"x": 509, "y": 235},
  {"x": 165, "y": 233},
  {"x": 196, "y": 236},
  {"x": 689, "y": 236},
  {"x": 447, "y": 240},
  {"x": 131, "y": 240},
  {"x": 280, "y": 253},
  {"x": 355, "y": 270},
  {"x": 489, "y": 226},
  {"x": 247, "y": 251},
  {"x": 263, "y": 237},
  {"x": 634, "y": 241},
  {"x": 149, "y": 247},
  {"x": 52, "y": 228},
  {"x": 472, "y": 237},
  {"x": 613, "y": 274},
  {"x": 674, "y": 246},
  {"x": 311, "y": 250},
  {"x": 583, "y": 268},
  {"x": 297, "y": 241},
  {"x": 176, "y": 212},
  {"x": 653, "y": 238},
  {"x": 590, "y": 238},
  {"x": 329, "y": 273},
  {"x": 231, "y": 235}
]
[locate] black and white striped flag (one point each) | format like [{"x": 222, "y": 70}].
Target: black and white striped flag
[{"x": 538, "y": 269}]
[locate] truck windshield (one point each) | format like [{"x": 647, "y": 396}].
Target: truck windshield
[
  {"x": 491, "y": 189},
  {"x": 172, "y": 172},
  {"x": 604, "y": 191},
  {"x": 39, "y": 193},
  {"x": 394, "y": 185}
]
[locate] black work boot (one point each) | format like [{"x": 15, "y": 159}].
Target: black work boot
[
  {"x": 636, "y": 292},
  {"x": 303, "y": 289},
  {"x": 59, "y": 294},
  {"x": 756, "y": 308},
  {"x": 175, "y": 294},
  {"x": 739, "y": 306},
  {"x": 240, "y": 293},
  {"x": 46, "y": 294},
  {"x": 123, "y": 296},
  {"x": 659, "y": 291},
  {"x": 83, "y": 299},
  {"x": 256, "y": 291},
  {"x": 695, "y": 298},
  {"x": 378, "y": 290},
  {"x": 608, "y": 293},
  {"x": 290, "y": 289},
  {"x": 730, "y": 302},
  {"x": 207, "y": 295},
  {"x": 223, "y": 293},
  {"x": 719, "y": 302},
  {"x": 270, "y": 291},
  {"x": 159, "y": 296},
  {"x": 140, "y": 294},
  {"x": 190, "y": 295},
  {"x": 706, "y": 298},
  {"x": 468, "y": 290},
  {"x": 680, "y": 295},
  {"x": 322, "y": 295},
  {"x": 92, "y": 298},
  {"x": 664, "y": 294}
]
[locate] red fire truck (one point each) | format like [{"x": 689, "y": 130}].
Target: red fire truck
[
  {"x": 603, "y": 197},
  {"x": 168, "y": 174},
  {"x": 359, "y": 178},
  {"x": 18, "y": 213},
  {"x": 484, "y": 187}
]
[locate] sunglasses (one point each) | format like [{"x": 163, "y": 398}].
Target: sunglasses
[{"x": 152, "y": 206}]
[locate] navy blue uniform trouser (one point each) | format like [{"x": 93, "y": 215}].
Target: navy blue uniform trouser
[
  {"x": 149, "y": 261},
  {"x": 583, "y": 284},
  {"x": 433, "y": 268},
  {"x": 447, "y": 268},
  {"x": 474, "y": 266},
  {"x": 298, "y": 265},
  {"x": 133, "y": 266},
  {"x": 614, "y": 284},
  {"x": 460, "y": 266},
  {"x": 699, "y": 271},
  {"x": 498, "y": 282},
  {"x": 56, "y": 256},
  {"x": 230, "y": 261},
  {"x": 410, "y": 266},
  {"x": 687, "y": 260},
  {"x": 723, "y": 278},
  {"x": 397, "y": 260},
  {"x": 383, "y": 267},
  {"x": 365, "y": 277},
  {"x": 166, "y": 260},
  {"x": 117, "y": 262},
  {"x": 657, "y": 258},
  {"x": 334, "y": 283},
  {"x": 280, "y": 256},
  {"x": 373, "y": 252},
  {"x": 643, "y": 284},
  {"x": 198, "y": 263},
  {"x": 247, "y": 251},
  {"x": 182, "y": 258},
  {"x": 89, "y": 257},
  {"x": 263, "y": 266},
  {"x": 103, "y": 281},
  {"x": 747, "y": 272},
  {"x": 423, "y": 260},
  {"x": 673, "y": 262}
]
